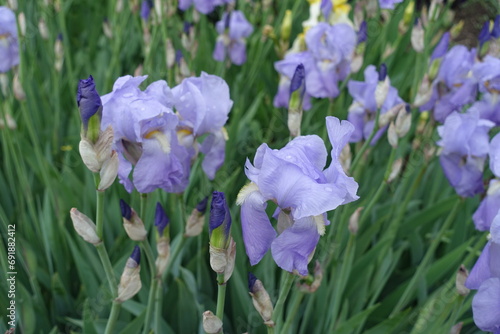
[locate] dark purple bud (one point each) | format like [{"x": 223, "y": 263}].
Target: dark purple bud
[
  {"x": 227, "y": 20},
  {"x": 442, "y": 47},
  {"x": 88, "y": 100},
  {"x": 408, "y": 108},
  {"x": 484, "y": 35},
  {"x": 126, "y": 210},
  {"x": 251, "y": 281},
  {"x": 60, "y": 37},
  {"x": 178, "y": 56},
  {"x": 219, "y": 212},
  {"x": 298, "y": 79},
  {"x": 382, "y": 72},
  {"x": 363, "y": 32},
  {"x": 136, "y": 255},
  {"x": 187, "y": 26},
  {"x": 202, "y": 206},
  {"x": 161, "y": 219},
  {"x": 146, "y": 6},
  {"x": 495, "y": 32}
]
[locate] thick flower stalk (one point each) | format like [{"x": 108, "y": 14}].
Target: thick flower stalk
[
  {"x": 295, "y": 179},
  {"x": 233, "y": 29},
  {"x": 9, "y": 44},
  {"x": 203, "y": 104}
]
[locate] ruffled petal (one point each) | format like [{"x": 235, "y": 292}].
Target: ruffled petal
[
  {"x": 486, "y": 305},
  {"x": 292, "y": 248},
  {"x": 213, "y": 147},
  {"x": 481, "y": 270}
]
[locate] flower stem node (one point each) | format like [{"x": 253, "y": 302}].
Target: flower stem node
[
  {"x": 461, "y": 277},
  {"x": 211, "y": 324},
  {"x": 132, "y": 223},
  {"x": 85, "y": 227},
  {"x": 130, "y": 281},
  {"x": 261, "y": 300}
]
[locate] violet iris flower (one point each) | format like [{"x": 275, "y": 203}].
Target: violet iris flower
[
  {"x": 9, "y": 48},
  {"x": 145, "y": 136},
  {"x": 203, "y": 6},
  {"x": 388, "y": 4},
  {"x": 233, "y": 28},
  {"x": 488, "y": 209},
  {"x": 485, "y": 277},
  {"x": 293, "y": 178},
  {"x": 453, "y": 87},
  {"x": 464, "y": 139},
  {"x": 363, "y": 111},
  {"x": 203, "y": 104}
]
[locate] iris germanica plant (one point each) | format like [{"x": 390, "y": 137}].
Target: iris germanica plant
[
  {"x": 233, "y": 29},
  {"x": 295, "y": 179},
  {"x": 9, "y": 48}
]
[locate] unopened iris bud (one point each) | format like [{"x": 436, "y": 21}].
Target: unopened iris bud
[
  {"x": 59, "y": 53},
  {"x": 362, "y": 32},
  {"x": 403, "y": 121},
  {"x": 395, "y": 170},
  {"x": 163, "y": 241},
  {"x": 146, "y": 6},
  {"x": 460, "y": 279},
  {"x": 130, "y": 281},
  {"x": 382, "y": 87},
  {"x": 417, "y": 36},
  {"x": 211, "y": 323},
  {"x": 196, "y": 219},
  {"x": 84, "y": 226},
  {"x": 456, "y": 329},
  {"x": 220, "y": 221},
  {"x": 90, "y": 105},
  {"x": 261, "y": 300},
  {"x": 286, "y": 26},
  {"x": 354, "y": 221},
  {"x": 19, "y": 93},
  {"x": 161, "y": 221},
  {"x": 297, "y": 89},
  {"x": 106, "y": 27},
  {"x": 132, "y": 223},
  {"x": 109, "y": 171},
  {"x": 456, "y": 29}
]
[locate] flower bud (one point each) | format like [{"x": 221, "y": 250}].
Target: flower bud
[
  {"x": 392, "y": 136},
  {"x": 261, "y": 300},
  {"x": 42, "y": 28},
  {"x": 345, "y": 158},
  {"x": 297, "y": 89},
  {"x": 211, "y": 324},
  {"x": 220, "y": 221},
  {"x": 12, "y": 4},
  {"x": 461, "y": 277},
  {"x": 90, "y": 105},
  {"x": 196, "y": 220},
  {"x": 395, "y": 170},
  {"x": 417, "y": 36},
  {"x": 130, "y": 281},
  {"x": 403, "y": 121},
  {"x": 169, "y": 53},
  {"x": 132, "y": 223},
  {"x": 59, "y": 53},
  {"x": 354, "y": 221},
  {"x": 84, "y": 226},
  {"x": 163, "y": 248},
  {"x": 457, "y": 328},
  {"x": 389, "y": 116},
  {"x": 106, "y": 28},
  {"x": 109, "y": 171},
  {"x": 456, "y": 29},
  {"x": 424, "y": 93},
  {"x": 19, "y": 93},
  {"x": 382, "y": 87},
  {"x": 286, "y": 26}
]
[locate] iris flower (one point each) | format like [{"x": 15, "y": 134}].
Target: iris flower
[
  {"x": 295, "y": 179},
  {"x": 9, "y": 48},
  {"x": 233, "y": 28}
]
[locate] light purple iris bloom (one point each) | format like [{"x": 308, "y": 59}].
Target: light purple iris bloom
[
  {"x": 9, "y": 48},
  {"x": 204, "y": 105},
  {"x": 388, "y": 4},
  {"x": 294, "y": 178},
  {"x": 488, "y": 209},
  {"x": 145, "y": 136},
  {"x": 286, "y": 69},
  {"x": 332, "y": 48},
  {"x": 233, "y": 28},
  {"x": 487, "y": 74},
  {"x": 465, "y": 143},
  {"x": 485, "y": 277},
  {"x": 453, "y": 87},
  {"x": 203, "y": 6},
  {"x": 326, "y": 8},
  {"x": 363, "y": 111},
  {"x": 442, "y": 47}
]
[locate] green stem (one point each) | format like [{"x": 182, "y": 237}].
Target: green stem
[
  {"x": 99, "y": 221},
  {"x": 425, "y": 261},
  {"x": 286, "y": 284},
  {"x": 221, "y": 298},
  {"x": 270, "y": 330},
  {"x": 108, "y": 268},
  {"x": 158, "y": 303},
  {"x": 143, "y": 207},
  {"x": 115, "y": 311},
  {"x": 146, "y": 247},
  {"x": 294, "y": 308}
]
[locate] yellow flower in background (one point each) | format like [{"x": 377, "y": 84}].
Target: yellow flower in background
[{"x": 341, "y": 7}]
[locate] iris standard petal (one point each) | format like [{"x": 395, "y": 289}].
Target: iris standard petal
[{"x": 481, "y": 270}]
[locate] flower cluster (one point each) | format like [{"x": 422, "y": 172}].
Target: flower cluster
[
  {"x": 233, "y": 28},
  {"x": 203, "y": 6},
  {"x": 295, "y": 179},
  {"x": 157, "y": 145}
]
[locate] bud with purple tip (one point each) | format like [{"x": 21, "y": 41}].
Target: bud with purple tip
[
  {"x": 130, "y": 281},
  {"x": 132, "y": 223}
]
